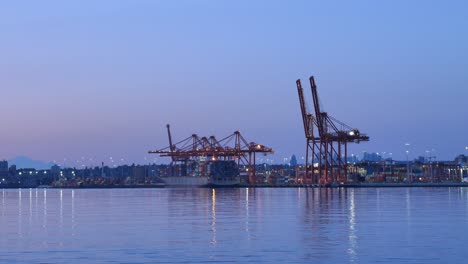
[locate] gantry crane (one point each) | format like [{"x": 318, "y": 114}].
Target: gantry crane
[
  {"x": 327, "y": 139},
  {"x": 312, "y": 142},
  {"x": 232, "y": 147}
]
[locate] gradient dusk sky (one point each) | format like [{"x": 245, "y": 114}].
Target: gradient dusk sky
[{"x": 96, "y": 79}]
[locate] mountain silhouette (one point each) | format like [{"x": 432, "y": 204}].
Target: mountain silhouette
[{"x": 22, "y": 162}]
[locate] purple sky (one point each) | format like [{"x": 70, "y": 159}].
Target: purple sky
[{"x": 96, "y": 79}]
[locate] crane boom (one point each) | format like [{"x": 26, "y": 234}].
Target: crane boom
[
  {"x": 306, "y": 117},
  {"x": 318, "y": 113},
  {"x": 171, "y": 146}
]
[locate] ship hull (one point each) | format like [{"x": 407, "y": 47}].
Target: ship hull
[
  {"x": 185, "y": 181},
  {"x": 189, "y": 181},
  {"x": 224, "y": 182}
]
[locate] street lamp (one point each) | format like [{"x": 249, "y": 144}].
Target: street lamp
[
  {"x": 464, "y": 165},
  {"x": 465, "y": 157},
  {"x": 407, "y": 163},
  {"x": 407, "y": 167}
]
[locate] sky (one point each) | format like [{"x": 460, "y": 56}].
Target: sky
[{"x": 92, "y": 80}]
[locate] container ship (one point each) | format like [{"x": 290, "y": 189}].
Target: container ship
[
  {"x": 220, "y": 173},
  {"x": 206, "y": 161}
]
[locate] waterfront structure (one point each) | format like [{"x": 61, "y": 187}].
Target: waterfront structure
[
  {"x": 326, "y": 141},
  {"x": 382, "y": 172},
  {"x": 194, "y": 156}
]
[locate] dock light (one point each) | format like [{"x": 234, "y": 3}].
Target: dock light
[
  {"x": 20, "y": 173},
  {"x": 45, "y": 172},
  {"x": 351, "y": 133},
  {"x": 30, "y": 172}
]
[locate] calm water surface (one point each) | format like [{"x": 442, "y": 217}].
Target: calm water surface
[{"x": 394, "y": 225}]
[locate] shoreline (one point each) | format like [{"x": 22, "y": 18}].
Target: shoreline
[
  {"x": 363, "y": 185},
  {"x": 318, "y": 186}
]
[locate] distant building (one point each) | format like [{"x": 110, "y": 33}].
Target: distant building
[
  {"x": 420, "y": 159},
  {"x": 353, "y": 159},
  {"x": 55, "y": 169},
  {"x": 293, "y": 161},
  {"x": 461, "y": 159},
  {"x": 139, "y": 171},
  {"x": 3, "y": 165},
  {"x": 12, "y": 169},
  {"x": 374, "y": 157},
  {"x": 3, "y": 169}
]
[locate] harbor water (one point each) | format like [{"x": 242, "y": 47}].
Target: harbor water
[{"x": 195, "y": 225}]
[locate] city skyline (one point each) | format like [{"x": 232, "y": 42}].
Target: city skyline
[{"x": 101, "y": 80}]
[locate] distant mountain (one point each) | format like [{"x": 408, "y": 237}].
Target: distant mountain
[{"x": 22, "y": 162}]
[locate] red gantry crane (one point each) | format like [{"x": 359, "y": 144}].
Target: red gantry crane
[
  {"x": 232, "y": 147},
  {"x": 327, "y": 141}
]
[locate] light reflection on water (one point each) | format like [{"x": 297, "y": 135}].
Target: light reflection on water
[
  {"x": 394, "y": 225},
  {"x": 213, "y": 217},
  {"x": 352, "y": 229}
]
